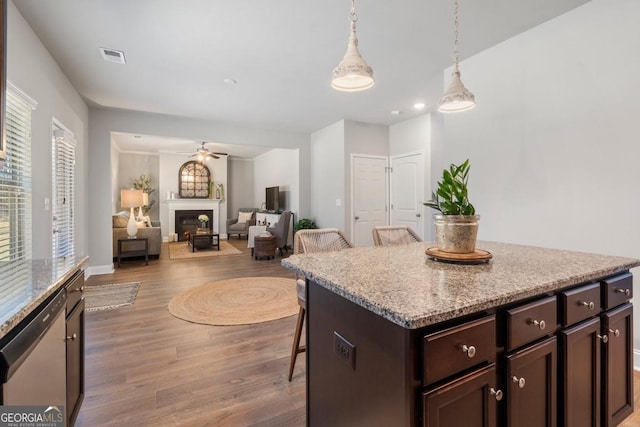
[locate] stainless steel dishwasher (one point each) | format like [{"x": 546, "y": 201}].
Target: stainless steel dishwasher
[{"x": 33, "y": 360}]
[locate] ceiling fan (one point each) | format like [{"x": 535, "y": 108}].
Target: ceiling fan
[{"x": 203, "y": 152}]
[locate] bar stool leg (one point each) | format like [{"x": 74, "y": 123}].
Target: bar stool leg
[{"x": 295, "y": 349}]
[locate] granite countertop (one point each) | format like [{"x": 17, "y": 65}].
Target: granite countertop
[
  {"x": 402, "y": 285},
  {"x": 26, "y": 284}
]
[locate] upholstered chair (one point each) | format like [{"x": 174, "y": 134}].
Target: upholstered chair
[
  {"x": 308, "y": 241},
  {"x": 281, "y": 231},
  {"x": 386, "y": 235},
  {"x": 240, "y": 225}
]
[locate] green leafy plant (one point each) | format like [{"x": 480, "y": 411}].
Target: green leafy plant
[
  {"x": 451, "y": 197},
  {"x": 304, "y": 224}
]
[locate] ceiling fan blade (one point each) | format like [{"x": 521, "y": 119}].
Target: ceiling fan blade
[{"x": 221, "y": 154}]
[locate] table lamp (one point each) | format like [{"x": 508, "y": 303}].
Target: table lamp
[
  {"x": 131, "y": 199},
  {"x": 145, "y": 202}
]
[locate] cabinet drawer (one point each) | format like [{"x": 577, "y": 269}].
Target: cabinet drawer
[
  {"x": 580, "y": 303},
  {"x": 531, "y": 321},
  {"x": 458, "y": 348},
  {"x": 617, "y": 290},
  {"x": 75, "y": 289}
]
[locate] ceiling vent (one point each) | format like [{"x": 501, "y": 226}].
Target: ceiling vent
[{"x": 112, "y": 55}]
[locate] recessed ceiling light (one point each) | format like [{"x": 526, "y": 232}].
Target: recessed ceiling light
[
  {"x": 230, "y": 81},
  {"x": 137, "y": 136},
  {"x": 396, "y": 112},
  {"x": 419, "y": 105}
]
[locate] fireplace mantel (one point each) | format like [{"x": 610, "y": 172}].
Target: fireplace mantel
[{"x": 193, "y": 204}]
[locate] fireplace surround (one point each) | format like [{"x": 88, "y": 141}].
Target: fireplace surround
[{"x": 187, "y": 221}]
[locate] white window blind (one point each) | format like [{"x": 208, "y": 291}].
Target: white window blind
[
  {"x": 63, "y": 161},
  {"x": 15, "y": 187}
]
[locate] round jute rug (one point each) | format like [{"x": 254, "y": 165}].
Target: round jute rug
[{"x": 240, "y": 301}]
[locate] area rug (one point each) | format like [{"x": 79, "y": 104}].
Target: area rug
[
  {"x": 241, "y": 301},
  {"x": 182, "y": 250},
  {"x": 110, "y": 296}
]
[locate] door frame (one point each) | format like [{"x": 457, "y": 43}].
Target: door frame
[{"x": 352, "y": 192}]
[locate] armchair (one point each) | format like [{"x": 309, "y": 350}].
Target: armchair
[
  {"x": 241, "y": 224},
  {"x": 281, "y": 231}
]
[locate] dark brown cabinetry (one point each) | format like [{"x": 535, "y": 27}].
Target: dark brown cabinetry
[
  {"x": 561, "y": 359},
  {"x": 75, "y": 346}
]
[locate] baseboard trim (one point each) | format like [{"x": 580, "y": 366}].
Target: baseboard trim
[
  {"x": 636, "y": 359},
  {"x": 96, "y": 270}
]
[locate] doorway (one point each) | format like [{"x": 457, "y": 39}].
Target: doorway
[{"x": 369, "y": 183}]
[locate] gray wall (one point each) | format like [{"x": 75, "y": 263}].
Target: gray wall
[
  {"x": 33, "y": 70},
  {"x": 240, "y": 191},
  {"x": 130, "y": 167}
]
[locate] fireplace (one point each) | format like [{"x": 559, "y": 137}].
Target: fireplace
[{"x": 187, "y": 221}]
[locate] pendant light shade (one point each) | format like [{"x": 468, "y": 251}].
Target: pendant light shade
[
  {"x": 352, "y": 73},
  {"x": 457, "y": 97}
]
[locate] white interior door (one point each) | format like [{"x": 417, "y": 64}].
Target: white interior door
[
  {"x": 407, "y": 190},
  {"x": 370, "y": 188}
]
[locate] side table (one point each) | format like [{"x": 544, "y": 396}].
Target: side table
[
  {"x": 138, "y": 246},
  {"x": 265, "y": 246}
]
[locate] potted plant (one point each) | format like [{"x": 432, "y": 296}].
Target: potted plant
[
  {"x": 457, "y": 224},
  {"x": 304, "y": 223}
]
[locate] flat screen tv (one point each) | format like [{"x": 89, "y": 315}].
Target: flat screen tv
[{"x": 272, "y": 197}]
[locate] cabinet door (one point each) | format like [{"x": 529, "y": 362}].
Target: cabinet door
[
  {"x": 617, "y": 397},
  {"x": 531, "y": 389},
  {"x": 470, "y": 401},
  {"x": 75, "y": 361},
  {"x": 580, "y": 376}
]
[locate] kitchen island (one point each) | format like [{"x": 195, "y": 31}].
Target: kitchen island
[{"x": 394, "y": 338}]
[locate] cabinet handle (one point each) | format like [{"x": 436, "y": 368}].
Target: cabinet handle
[
  {"x": 627, "y": 292},
  {"x": 590, "y": 305},
  {"x": 604, "y": 338},
  {"x": 471, "y": 350},
  {"x": 539, "y": 324},
  {"x": 80, "y": 289},
  {"x": 615, "y": 332},
  {"x": 496, "y": 393},
  {"x": 521, "y": 381},
  {"x": 72, "y": 337}
]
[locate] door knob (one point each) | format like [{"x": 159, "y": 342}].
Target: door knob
[
  {"x": 356, "y": 217},
  {"x": 418, "y": 215}
]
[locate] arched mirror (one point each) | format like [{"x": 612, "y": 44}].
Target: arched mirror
[{"x": 193, "y": 179}]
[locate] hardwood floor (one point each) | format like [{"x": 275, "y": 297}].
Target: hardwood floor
[{"x": 145, "y": 367}]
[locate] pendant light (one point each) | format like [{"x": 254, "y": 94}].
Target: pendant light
[
  {"x": 457, "y": 97},
  {"x": 352, "y": 73}
]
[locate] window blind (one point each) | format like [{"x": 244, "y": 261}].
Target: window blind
[
  {"x": 64, "y": 159},
  {"x": 15, "y": 187}
]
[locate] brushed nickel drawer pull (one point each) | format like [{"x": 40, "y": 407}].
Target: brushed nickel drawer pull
[
  {"x": 521, "y": 381},
  {"x": 615, "y": 332},
  {"x": 72, "y": 337},
  {"x": 590, "y": 305},
  {"x": 604, "y": 338},
  {"x": 627, "y": 292},
  {"x": 80, "y": 289},
  {"x": 470, "y": 350},
  {"x": 496, "y": 393},
  {"x": 539, "y": 324}
]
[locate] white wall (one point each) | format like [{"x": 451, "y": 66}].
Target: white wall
[
  {"x": 278, "y": 167},
  {"x": 327, "y": 176},
  {"x": 553, "y": 141},
  {"x": 102, "y": 122},
  {"x": 33, "y": 70}
]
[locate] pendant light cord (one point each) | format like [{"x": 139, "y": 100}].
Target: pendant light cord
[{"x": 456, "y": 51}]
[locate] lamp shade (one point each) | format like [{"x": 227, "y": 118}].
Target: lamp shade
[
  {"x": 131, "y": 198},
  {"x": 457, "y": 97},
  {"x": 352, "y": 73}
]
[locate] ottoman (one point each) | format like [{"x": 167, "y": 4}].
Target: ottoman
[{"x": 264, "y": 246}]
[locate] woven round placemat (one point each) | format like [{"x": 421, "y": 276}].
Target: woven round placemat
[{"x": 240, "y": 301}]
